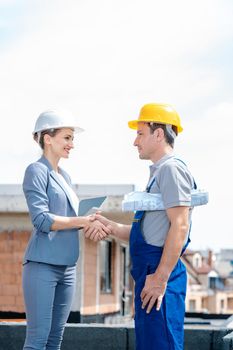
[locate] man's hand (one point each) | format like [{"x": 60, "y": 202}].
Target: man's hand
[
  {"x": 95, "y": 230},
  {"x": 118, "y": 230},
  {"x": 106, "y": 222},
  {"x": 153, "y": 292}
]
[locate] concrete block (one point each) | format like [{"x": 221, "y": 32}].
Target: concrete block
[
  {"x": 197, "y": 338},
  {"x": 98, "y": 337},
  {"x": 228, "y": 341},
  {"x": 218, "y": 339},
  {"x": 12, "y": 337},
  {"x": 131, "y": 338}
]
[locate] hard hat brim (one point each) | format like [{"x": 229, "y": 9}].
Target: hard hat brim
[
  {"x": 76, "y": 129},
  {"x": 133, "y": 124}
]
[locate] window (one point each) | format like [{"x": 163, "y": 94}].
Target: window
[
  {"x": 216, "y": 283},
  {"x": 192, "y": 305},
  {"x": 212, "y": 282},
  {"x": 222, "y": 304},
  {"x": 230, "y": 303},
  {"x": 197, "y": 261},
  {"x": 125, "y": 281},
  {"x": 204, "y": 303},
  {"x": 106, "y": 266}
]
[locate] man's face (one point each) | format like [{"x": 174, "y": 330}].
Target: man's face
[{"x": 145, "y": 141}]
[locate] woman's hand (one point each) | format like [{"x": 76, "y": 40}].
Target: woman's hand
[
  {"x": 95, "y": 230},
  {"x": 106, "y": 222},
  {"x": 113, "y": 228}
]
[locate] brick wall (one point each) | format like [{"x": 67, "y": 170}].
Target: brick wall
[{"x": 12, "y": 247}]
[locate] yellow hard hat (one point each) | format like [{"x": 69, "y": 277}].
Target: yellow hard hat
[{"x": 157, "y": 113}]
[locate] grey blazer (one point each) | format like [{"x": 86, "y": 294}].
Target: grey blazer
[{"x": 46, "y": 197}]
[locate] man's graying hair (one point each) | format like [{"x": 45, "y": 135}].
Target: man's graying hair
[
  {"x": 169, "y": 135},
  {"x": 39, "y": 136}
]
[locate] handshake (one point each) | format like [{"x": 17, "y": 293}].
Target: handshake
[{"x": 98, "y": 227}]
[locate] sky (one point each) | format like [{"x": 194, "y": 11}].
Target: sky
[{"x": 103, "y": 60}]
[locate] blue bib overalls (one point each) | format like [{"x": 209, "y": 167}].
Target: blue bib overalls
[{"x": 163, "y": 329}]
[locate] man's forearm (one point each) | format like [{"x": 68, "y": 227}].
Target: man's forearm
[
  {"x": 121, "y": 231},
  {"x": 173, "y": 244}
]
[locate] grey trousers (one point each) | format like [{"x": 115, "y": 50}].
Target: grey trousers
[{"x": 48, "y": 293}]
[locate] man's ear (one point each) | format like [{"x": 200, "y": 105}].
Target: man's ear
[{"x": 159, "y": 134}]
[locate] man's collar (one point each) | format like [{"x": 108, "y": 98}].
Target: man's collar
[{"x": 159, "y": 162}]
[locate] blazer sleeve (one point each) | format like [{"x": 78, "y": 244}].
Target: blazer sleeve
[{"x": 35, "y": 190}]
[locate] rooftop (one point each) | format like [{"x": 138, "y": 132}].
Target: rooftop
[{"x": 12, "y": 198}]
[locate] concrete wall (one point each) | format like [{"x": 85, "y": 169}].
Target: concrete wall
[{"x": 103, "y": 337}]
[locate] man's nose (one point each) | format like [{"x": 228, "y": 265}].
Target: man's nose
[{"x": 135, "y": 142}]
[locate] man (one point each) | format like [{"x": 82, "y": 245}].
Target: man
[{"x": 158, "y": 238}]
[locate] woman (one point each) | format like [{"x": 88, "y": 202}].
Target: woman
[{"x": 50, "y": 259}]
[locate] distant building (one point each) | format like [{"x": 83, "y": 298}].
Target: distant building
[{"x": 210, "y": 287}]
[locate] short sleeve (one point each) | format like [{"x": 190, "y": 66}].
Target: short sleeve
[{"x": 175, "y": 183}]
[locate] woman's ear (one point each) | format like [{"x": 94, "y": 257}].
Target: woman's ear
[{"x": 47, "y": 139}]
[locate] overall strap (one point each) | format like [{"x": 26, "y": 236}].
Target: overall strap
[
  {"x": 150, "y": 185},
  {"x": 188, "y": 240}
]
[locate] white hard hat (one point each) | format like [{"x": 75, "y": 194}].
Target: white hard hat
[{"x": 55, "y": 120}]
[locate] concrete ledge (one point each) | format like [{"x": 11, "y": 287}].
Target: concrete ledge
[
  {"x": 198, "y": 339},
  {"x": 218, "y": 339},
  {"x": 12, "y": 199},
  {"x": 115, "y": 337},
  {"x": 228, "y": 342},
  {"x": 12, "y": 336},
  {"x": 84, "y": 337}
]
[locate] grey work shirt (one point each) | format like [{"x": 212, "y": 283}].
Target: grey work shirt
[{"x": 174, "y": 181}]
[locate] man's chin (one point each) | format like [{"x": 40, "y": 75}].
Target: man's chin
[{"x": 141, "y": 156}]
